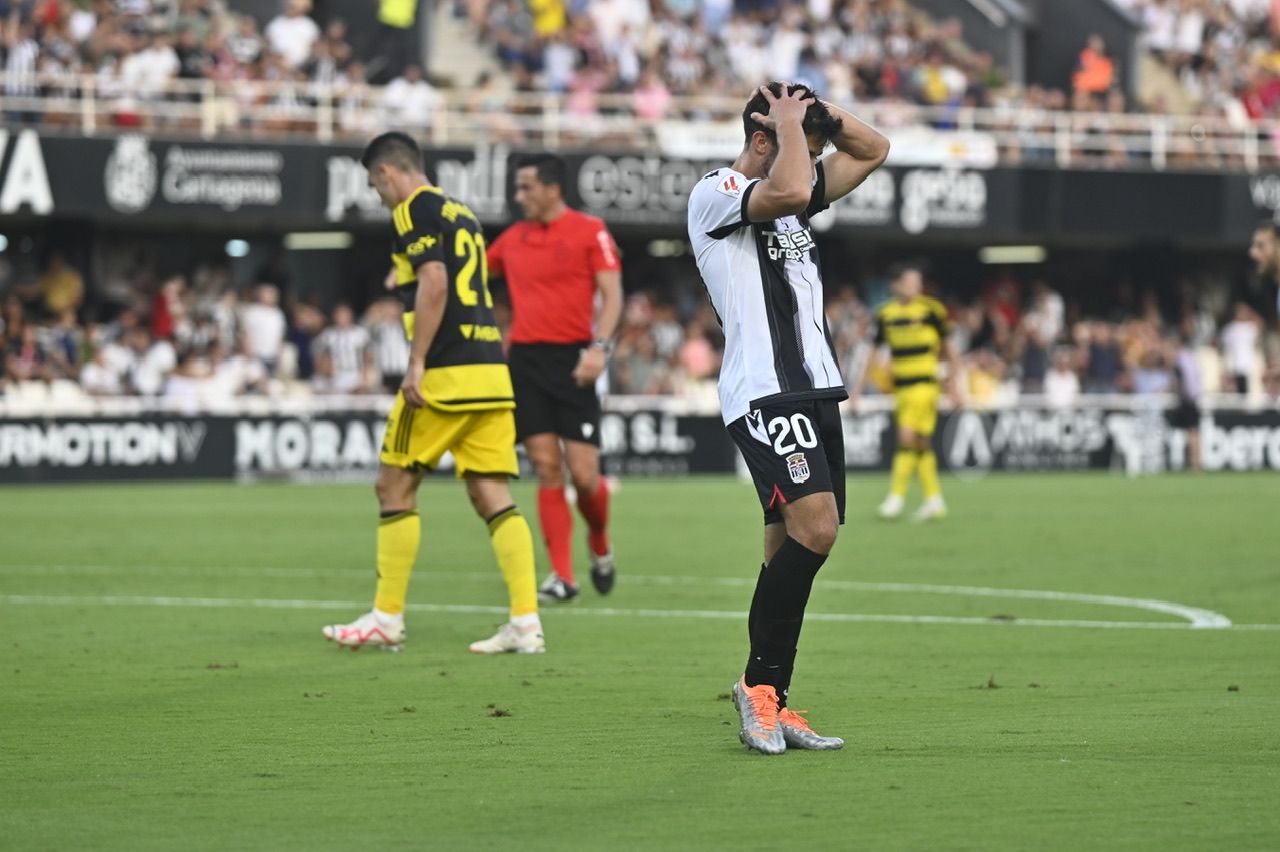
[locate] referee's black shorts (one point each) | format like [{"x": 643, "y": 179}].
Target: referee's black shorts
[{"x": 547, "y": 397}]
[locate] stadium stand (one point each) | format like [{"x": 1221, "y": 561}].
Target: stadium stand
[{"x": 612, "y": 71}]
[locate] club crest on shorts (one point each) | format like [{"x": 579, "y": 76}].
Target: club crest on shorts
[{"x": 798, "y": 467}]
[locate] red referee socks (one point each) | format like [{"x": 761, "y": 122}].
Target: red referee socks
[
  {"x": 595, "y": 510},
  {"x": 557, "y": 526}
]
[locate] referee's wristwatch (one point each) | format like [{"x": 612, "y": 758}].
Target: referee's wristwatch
[{"x": 604, "y": 344}]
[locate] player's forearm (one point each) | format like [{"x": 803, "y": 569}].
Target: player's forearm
[
  {"x": 428, "y": 312},
  {"x": 792, "y": 173},
  {"x": 610, "y": 286},
  {"x": 858, "y": 139}
]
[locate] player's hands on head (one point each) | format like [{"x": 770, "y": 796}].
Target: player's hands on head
[
  {"x": 411, "y": 387},
  {"x": 789, "y": 108}
]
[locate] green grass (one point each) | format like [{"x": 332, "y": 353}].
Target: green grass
[{"x": 133, "y": 726}]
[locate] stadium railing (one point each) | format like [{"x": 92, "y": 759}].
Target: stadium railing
[{"x": 694, "y": 126}]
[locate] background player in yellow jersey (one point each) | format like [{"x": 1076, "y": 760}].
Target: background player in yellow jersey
[
  {"x": 456, "y": 397},
  {"x": 915, "y": 331}
]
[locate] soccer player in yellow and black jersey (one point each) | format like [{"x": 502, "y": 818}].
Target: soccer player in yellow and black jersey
[
  {"x": 916, "y": 332},
  {"x": 456, "y": 397}
]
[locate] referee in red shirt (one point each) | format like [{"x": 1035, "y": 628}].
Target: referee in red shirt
[{"x": 554, "y": 263}]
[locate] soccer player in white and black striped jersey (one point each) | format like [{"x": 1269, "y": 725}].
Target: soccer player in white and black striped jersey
[{"x": 780, "y": 384}]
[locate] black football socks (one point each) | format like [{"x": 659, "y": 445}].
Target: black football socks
[{"x": 777, "y": 614}]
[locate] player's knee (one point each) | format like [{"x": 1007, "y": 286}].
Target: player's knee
[
  {"x": 549, "y": 475},
  {"x": 586, "y": 482},
  {"x": 392, "y": 494},
  {"x": 819, "y": 534}
]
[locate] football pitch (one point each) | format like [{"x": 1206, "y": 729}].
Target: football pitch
[{"x": 1067, "y": 662}]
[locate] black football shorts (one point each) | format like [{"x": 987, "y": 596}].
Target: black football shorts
[
  {"x": 793, "y": 449},
  {"x": 547, "y": 397}
]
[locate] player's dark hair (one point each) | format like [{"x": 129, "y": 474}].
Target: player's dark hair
[
  {"x": 818, "y": 120},
  {"x": 900, "y": 269},
  {"x": 1270, "y": 225},
  {"x": 549, "y": 168},
  {"x": 395, "y": 149}
]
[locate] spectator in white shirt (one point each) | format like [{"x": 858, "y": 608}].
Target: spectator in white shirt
[
  {"x": 292, "y": 33},
  {"x": 153, "y": 362},
  {"x": 1061, "y": 384},
  {"x": 99, "y": 377},
  {"x": 149, "y": 71},
  {"x": 264, "y": 326},
  {"x": 1240, "y": 347},
  {"x": 410, "y": 100}
]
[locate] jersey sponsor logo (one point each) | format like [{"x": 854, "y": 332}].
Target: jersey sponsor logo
[
  {"x": 487, "y": 333},
  {"x": 730, "y": 187},
  {"x": 788, "y": 245},
  {"x": 798, "y": 468},
  {"x": 420, "y": 245}
]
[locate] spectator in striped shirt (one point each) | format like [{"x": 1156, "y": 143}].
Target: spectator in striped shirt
[{"x": 347, "y": 347}]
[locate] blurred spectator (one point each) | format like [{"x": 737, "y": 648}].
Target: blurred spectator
[
  {"x": 1240, "y": 347},
  {"x": 264, "y": 326},
  {"x": 60, "y": 287},
  {"x": 392, "y": 43},
  {"x": 237, "y": 371},
  {"x": 410, "y": 101},
  {"x": 292, "y": 33},
  {"x": 346, "y": 346},
  {"x": 152, "y": 362},
  {"x": 1103, "y": 360},
  {"x": 1061, "y": 384},
  {"x": 25, "y": 357},
  {"x": 385, "y": 322},
  {"x": 1095, "y": 72},
  {"x": 99, "y": 377},
  {"x": 1188, "y": 385}
]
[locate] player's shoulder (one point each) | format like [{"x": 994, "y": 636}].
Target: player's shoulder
[
  {"x": 585, "y": 222},
  {"x": 422, "y": 206},
  {"x": 933, "y": 306},
  {"x": 719, "y": 186}
]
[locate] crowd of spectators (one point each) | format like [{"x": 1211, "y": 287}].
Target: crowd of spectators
[
  {"x": 1013, "y": 341},
  {"x": 651, "y": 59},
  {"x": 196, "y": 341},
  {"x": 137, "y": 50},
  {"x": 1226, "y": 53}
]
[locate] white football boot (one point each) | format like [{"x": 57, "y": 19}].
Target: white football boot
[
  {"x": 370, "y": 630},
  {"x": 891, "y": 508}
]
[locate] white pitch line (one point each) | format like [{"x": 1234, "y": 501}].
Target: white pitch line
[
  {"x": 273, "y": 603},
  {"x": 1198, "y": 618}
]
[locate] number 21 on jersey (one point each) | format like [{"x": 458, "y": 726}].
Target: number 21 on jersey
[{"x": 471, "y": 246}]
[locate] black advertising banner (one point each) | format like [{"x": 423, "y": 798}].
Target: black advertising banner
[
  {"x": 77, "y": 449},
  {"x": 148, "y": 447},
  {"x": 173, "y": 184},
  {"x": 655, "y": 443},
  {"x": 644, "y": 442}
]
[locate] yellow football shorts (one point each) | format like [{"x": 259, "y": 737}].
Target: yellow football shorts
[
  {"x": 482, "y": 442},
  {"x": 916, "y": 407}
]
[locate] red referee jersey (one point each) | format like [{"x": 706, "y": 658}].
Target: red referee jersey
[{"x": 551, "y": 275}]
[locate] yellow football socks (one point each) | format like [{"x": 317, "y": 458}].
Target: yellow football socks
[
  {"x": 513, "y": 546},
  {"x": 904, "y": 465},
  {"x": 398, "y": 539},
  {"x": 929, "y": 475}
]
